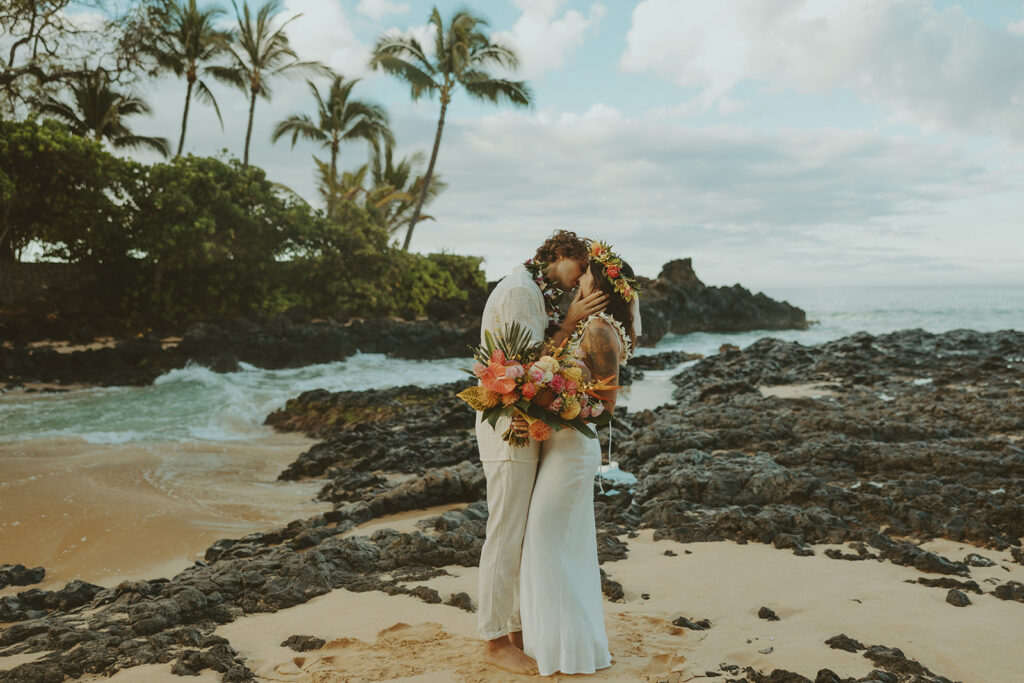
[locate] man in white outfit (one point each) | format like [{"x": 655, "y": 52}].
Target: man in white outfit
[{"x": 529, "y": 296}]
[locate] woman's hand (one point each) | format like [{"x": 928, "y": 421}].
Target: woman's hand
[{"x": 582, "y": 307}]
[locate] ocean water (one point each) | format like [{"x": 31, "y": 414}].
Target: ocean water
[
  {"x": 842, "y": 311},
  {"x": 194, "y": 404}
]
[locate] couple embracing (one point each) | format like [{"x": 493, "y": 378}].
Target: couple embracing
[{"x": 540, "y": 604}]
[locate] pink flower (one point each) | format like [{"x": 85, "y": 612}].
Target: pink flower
[
  {"x": 556, "y": 405},
  {"x": 536, "y": 374},
  {"x": 584, "y": 409},
  {"x": 515, "y": 370},
  {"x": 597, "y": 409},
  {"x": 479, "y": 369},
  {"x": 529, "y": 390},
  {"x": 571, "y": 388},
  {"x": 557, "y": 384}
]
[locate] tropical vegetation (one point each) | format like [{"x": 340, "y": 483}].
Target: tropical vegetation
[{"x": 197, "y": 236}]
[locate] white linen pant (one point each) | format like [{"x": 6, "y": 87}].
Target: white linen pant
[{"x": 509, "y": 487}]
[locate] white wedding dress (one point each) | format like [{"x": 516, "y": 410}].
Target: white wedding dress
[{"x": 560, "y": 597}]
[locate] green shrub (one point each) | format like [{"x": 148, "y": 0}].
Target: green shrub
[{"x": 64, "y": 191}]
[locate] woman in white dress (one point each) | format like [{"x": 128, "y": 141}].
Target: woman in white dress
[{"x": 561, "y": 603}]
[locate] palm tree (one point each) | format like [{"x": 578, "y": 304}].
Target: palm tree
[
  {"x": 396, "y": 189},
  {"x": 98, "y": 111},
  {"x": 340, "y": 118},
  {"x": 186, "y": 40},
  {"x": 462, "y": 56},
  {"x": 260, "y": 53}
]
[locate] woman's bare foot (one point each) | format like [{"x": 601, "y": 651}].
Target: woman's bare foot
[
  {"x": 501, "y": 653},
  {"x": 516, "y": 638}
]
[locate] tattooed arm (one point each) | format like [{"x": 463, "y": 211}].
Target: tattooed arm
[{"x": 602, "y": 347}]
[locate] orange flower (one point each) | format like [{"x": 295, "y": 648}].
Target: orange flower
[
  {"x": 540, "y": 431},
  {"x": 493, "y": 376}
]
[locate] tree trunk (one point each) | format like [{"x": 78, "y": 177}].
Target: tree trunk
[
  {"x": 426, "y": 178},
  {"x": 7, "y": 254},
  {"x": 333, "y": 186},
  {"x": 248, "y": 131},
  {"x": 184, "y": 117}
]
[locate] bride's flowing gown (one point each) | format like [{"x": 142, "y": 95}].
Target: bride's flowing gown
[
  {"x": 560, "y": 583},
  {"x": 561, "y": 604}
]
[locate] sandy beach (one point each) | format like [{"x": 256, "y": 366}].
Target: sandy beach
[
  {"x": 371, "y": 636},
  {"x": 105, "y": 513}
]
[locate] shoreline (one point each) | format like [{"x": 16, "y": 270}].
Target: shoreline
[{"x": 107, "y": 513}]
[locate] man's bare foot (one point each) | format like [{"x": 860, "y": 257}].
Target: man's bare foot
[
  {"x": 516, "y": 638},
  {"x": 501, "y": 653}
]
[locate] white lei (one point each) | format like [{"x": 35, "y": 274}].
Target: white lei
[{"x": 627, "y": 344}]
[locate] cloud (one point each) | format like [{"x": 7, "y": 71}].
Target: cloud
[
  {"x": 738, "y": 201},
  {"x": 937, "y": 68},
  {"x": 375, "y": 9},
  {"x": 324, "y": 33},
  {"x": 542, "y": 39}
]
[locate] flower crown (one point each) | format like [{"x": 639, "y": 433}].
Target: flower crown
[{"x": 602, "y": 253}]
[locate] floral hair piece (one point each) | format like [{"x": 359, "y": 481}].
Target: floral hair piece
[{"x": 602, "y": 253}]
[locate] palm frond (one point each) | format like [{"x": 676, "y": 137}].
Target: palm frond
[
  {"x": 204, "y": 95},
  {"x": 160, "y": 145}
]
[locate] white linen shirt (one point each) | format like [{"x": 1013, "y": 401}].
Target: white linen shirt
[{"x": 516, "y": 298}]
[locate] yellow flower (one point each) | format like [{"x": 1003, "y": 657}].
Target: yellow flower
[
  {"x": 480, "y": 398},
  {"x": 573, "y": 373},
  {"x": 570, "y": 408}
]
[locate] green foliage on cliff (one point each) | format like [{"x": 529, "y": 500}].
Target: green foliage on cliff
[{"x": 201, "y": 237}]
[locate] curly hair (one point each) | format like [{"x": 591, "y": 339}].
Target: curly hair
[
  {"x": 618, "y": 308},
  {"x": 563, "y": 243}
]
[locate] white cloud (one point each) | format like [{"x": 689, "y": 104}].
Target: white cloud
[
  {"x": 324, "y": 33},
  {"x": 375, "y": 9},
  {"x": 765, "y": 208},
  {"x": 542, "y": 39},
  {"x": 936, "y": 68},
  {"x": 425, "y": 34}
]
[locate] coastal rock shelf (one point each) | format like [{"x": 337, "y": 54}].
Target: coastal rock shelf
[
  {"x": 278, "y": 344},
  {"x": 884, "y": 450}
]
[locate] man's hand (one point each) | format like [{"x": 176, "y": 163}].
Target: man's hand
[
  {"x": 583, "y": 307},
  {"x": 520, "y": 426}
]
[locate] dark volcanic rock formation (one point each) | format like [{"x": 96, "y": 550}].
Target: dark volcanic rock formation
[
  {"x": 20, "y": 575},
  {"x": 279, "y": 343},
  {"x": 922, "y": 439},
  {"x": 677, "y": 301}
]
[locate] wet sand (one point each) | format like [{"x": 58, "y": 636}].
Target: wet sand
[{"x": 105, "y": 513}]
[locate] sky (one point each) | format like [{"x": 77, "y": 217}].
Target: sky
[{"x": 775, "y": 142}]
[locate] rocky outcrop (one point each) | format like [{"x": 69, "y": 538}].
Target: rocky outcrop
[
  {"x": 280, "y": 343},
  {"x": 678, "y": 302}
]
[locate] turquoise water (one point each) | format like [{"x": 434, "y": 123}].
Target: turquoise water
[{"x": 196, "y": 404}]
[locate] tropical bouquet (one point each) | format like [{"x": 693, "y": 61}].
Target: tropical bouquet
[{"x": 549, "y": 390}]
